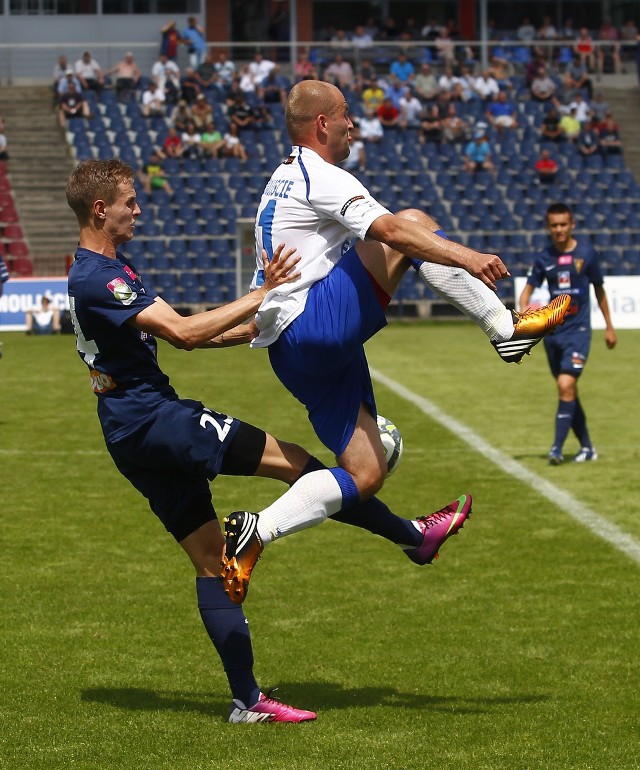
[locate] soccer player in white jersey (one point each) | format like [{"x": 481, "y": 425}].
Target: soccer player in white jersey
[{"x": 354, "y": 253}]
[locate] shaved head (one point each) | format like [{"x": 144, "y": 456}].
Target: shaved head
[{"x": 306, "y": 101}]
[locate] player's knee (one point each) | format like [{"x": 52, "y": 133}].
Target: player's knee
[{"x": 369, "y": 480}]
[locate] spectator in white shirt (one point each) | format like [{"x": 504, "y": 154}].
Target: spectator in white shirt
[
  {"x": 526, "y": 31},
  {"x": 361, "y": 39},
  {"x": 153, "y": 101},
  {"x": 410, "y": 110},
  {"x": 89, "y": 72},
  {"x": 339, "y": 72},
  {"x": 581, "y": 106},
  {"x": 165, "y": 73},
  {"x": 260, "y": 68},
  {"x": 371, "y": 129},
  {"x": 487, "y": 86}
]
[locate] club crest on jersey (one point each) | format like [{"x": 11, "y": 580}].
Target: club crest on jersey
[
  {"x": 578, "y": 264},
  {"x": 122, "y": 291}
]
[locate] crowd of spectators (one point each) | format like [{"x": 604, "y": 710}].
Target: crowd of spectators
[{"x": 437, "y": 94}]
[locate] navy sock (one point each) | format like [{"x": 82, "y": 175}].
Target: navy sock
[
  {"x": 228, "y": 629},
  {"x": 417, "y": 262},
  {"x": 564, "y": 421},
  {"x": 579, "y": 425},
  {"x": 374, "y": 516}
]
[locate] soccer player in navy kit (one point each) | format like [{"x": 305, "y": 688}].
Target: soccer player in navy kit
[
  {"x": 569, "y": 267},
  {"x": 169, "y": 448}
]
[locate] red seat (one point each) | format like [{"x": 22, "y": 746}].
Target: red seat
[
  {"x": 9, "y": 214},
  {"x": 17, "y": 249},
  {"x": 13, "y": 232},
  {"x": 22, "y": 266}
]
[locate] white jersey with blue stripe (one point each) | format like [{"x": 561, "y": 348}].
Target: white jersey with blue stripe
[{"x": 318, "y": 209}]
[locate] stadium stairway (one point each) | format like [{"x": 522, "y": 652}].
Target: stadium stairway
[
  {"x": 39, "y": 166},
  {"x": 623, "y": 95}
]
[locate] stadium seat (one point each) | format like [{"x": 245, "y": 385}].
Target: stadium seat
[
  {"x": 171, "y": 295},
  {"x": 191, "y": 295},
  {"x": 192, "y": 228},
  {"x": 13, "y": 232},
  {"x": 622, "y": 239},
  {"x": 17, "y": 249},
  {"x": 21, "y": 265}
]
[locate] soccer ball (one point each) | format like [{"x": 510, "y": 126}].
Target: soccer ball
[{"x": 391, "y": 443}]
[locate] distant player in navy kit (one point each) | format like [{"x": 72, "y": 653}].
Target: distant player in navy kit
[{"x": 569, "y": 267}]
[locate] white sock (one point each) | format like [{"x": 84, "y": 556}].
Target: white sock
[
  {"x": 309, "y": 501},
  {"x": 477, "y": 301}
]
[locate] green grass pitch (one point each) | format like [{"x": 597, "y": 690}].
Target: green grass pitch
[{"x": 517, "y": 650}]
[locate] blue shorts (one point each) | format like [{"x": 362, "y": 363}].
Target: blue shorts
[
  {"x": 171, "y": 459},
  {"x": 320, "y": 356},
  {"x": 568, "y": 353}
]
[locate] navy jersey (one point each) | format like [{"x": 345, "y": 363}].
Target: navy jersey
[
  {"x": 569, "y": 272},
  {"x": 104, "y": 293}
]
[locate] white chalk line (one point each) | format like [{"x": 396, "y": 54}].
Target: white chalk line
[{"x": 570, "y": 505}]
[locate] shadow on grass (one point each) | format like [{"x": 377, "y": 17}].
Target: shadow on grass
[{"x": 316, "y": 695}]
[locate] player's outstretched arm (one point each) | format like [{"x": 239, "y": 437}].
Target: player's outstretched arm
[
  {"x": 202, "y": 329},
  {"x": 415, "y": 240}
]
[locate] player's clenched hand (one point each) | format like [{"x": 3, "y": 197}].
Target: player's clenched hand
[
  {"x": 280, "y": 269},
  {"x": 487, "y": 268}
]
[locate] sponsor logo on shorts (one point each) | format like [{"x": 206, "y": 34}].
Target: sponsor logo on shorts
[
  {"x": 101, "y": 382},
  {"x": 355, "y": 198},
  {"x": 122, "y": 291},
  {"x": 577, "y": 360}
]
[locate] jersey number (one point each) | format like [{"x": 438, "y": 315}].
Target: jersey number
[
  {"x": 265, "y": 220},
  {"x": 221, "y": 430}
]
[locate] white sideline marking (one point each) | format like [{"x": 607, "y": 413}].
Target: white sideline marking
[{"x": 600, "y": 526}]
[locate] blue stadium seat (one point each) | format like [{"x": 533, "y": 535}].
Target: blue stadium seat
[
  {"x": 204, "y": 261},
  {"x": 622, "y": 239},
  {"x": 192, "y": 295},
  {"x": 181, "y": 261},
  {"x": 215, "y": 295},
  {"x": 164, "y": 279},
  {"x": 476, "y": 241},
  {"x": 171, "y": 295},
  {"x": 171, "y": 228},
  {"x": 188, "y": 278},
  {"x": 539, "y": 241},
  {"x": 213, "y": 227},
  {"x": 198, "y": 246},
  {"x": 192, "y": 228},
  {"x": 518, "y": 241},
  {"x": 210, "y": 279}
]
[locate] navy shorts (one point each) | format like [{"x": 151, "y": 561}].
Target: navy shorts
[
  {"x": 320, "y": 356},
  {"x": 568, "y": 353},
  {"x": 171, "y": 459}
]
